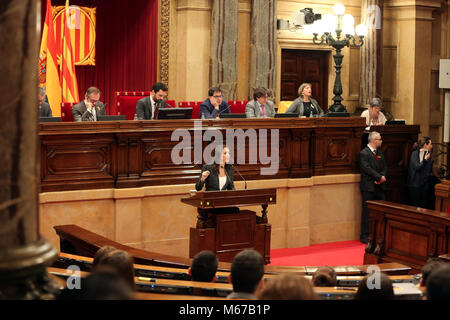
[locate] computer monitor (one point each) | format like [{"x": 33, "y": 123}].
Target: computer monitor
[
  {"x": 389, "y": 122},
  {"x": 337, "y": 114},
  {"x": 112, "y": 118},
  {"x": 50, "y": 119},
  {"x": 232, "y": 115},
  {"x": 286, "y": 115},
  {"x": 174, "y": 113}
]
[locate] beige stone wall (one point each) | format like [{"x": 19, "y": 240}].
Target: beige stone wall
[
  {"x": 415, "y": 37},
  {"x": 308, "y": 211},
  {"x": 302, "y": 41}
]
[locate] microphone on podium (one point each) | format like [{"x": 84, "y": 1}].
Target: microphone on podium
[{"x": 245, "y": 182}]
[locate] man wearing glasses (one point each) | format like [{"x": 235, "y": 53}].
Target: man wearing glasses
[
  {"x": 373, "y": 178},
  {"x": 212, "y": 107}
]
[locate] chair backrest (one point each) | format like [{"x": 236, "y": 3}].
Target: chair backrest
[
  {"x": 66, "y": 111},
  {"x": 237, "y": 106},
  {"x": 171, "y": 104},
  {"x": 283, "y": 106},
  {"x": 195, "y": 105},
  {"x": 125, "y": 102}
]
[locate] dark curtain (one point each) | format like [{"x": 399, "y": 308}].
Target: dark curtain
[{"x": 126, "y": 47}]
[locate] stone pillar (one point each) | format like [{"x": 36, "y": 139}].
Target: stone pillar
[
  {"x": 189, "y": 63},
  {"x": 263, "y": 45},
  {"x": 224, "y": 37},
  {"x": 24, "y": 255},
  {"x": 371, "y": 52}
]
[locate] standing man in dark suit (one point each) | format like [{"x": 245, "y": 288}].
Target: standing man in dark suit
[
  {"x": 90, "y": 107},
  {"x": 420, "y": 166},
  {"x": 147, "y": 108},
  {"x": 373, "y": 178},
  {"x": 44, "y": 107}
]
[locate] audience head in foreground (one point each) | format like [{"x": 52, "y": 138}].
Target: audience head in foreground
[
  {"x": 324, "y": 277},
  {"x": 118, "y": 262},
  {"x": 204, "y": 267},
  {"x": 247, "y": 270},
  {"x": 287, "y": 286},
  {"x": 377, "y": 286},
  {"x": 104, "y": 284},
  {"x": 438, "y": 283},
  {"x": 428, "y": 268},
  {"x": 102, "y": 252}
]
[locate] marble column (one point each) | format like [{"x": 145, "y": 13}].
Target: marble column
[
  {"x": 371, "y": 52},
  {"x": 224, "y": 38},
  {"x": 263, "y": 44},
  {"x": 24, "y": 255}
]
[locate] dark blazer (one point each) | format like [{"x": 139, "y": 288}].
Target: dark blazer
[
  {"x": 418, "y": 172},
  {"x": 297, "y": 107},
  {"x": 371, "y": 169},
  {"x": 208, "y": 111},
  {"x": 212, "y": 182},
  {"x": 144, "y": 108},
  {"x": 80, "y": 112},
  {"x": 44, "y": 110}
]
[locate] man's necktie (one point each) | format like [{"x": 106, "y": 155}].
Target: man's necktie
[
  {"x": 263, "y": 110},
  {"x": 155, "y": 114}
]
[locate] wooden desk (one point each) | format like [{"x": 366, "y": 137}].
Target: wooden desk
[
  {"x": 125, "y": 154},
  {"x": 405, "y": 234}
]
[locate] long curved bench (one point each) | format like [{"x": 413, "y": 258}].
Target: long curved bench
[{"x": 79, "y": 241}]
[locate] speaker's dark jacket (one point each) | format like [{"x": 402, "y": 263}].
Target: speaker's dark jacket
[{"x": 212, "y": 182}]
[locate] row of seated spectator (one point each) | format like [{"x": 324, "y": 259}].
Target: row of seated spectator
[{"x": 112, "y": 277}]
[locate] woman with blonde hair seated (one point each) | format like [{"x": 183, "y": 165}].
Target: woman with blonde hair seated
[{"x": 304, "y": 105}]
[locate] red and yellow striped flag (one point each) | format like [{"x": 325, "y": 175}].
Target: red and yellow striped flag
[
  {"x": 48, "y": 64},
  {"x": 68, "y": 77}
]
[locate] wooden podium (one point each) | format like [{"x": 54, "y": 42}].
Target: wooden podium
[{"x": 225, "y": 229}]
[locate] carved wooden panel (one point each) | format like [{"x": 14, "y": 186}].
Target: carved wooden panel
[
  {"x": 406, "y": 234},
  {"x": 139, "y": 153},
  {"x": 78, "y": 162}
]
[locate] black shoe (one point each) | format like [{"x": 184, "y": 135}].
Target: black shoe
[{"x": 364, "y": 240}]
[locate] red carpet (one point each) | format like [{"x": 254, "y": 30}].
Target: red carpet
[{"x": 325, "y": 254}]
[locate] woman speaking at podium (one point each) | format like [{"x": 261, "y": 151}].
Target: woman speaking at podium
[{"x": 219, "y": 175}]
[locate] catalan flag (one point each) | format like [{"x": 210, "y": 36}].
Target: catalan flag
[
  {"x": 48, "y": 63},
  {"x": 82, "y": 23},
  {"x": 68, "y": 78}
]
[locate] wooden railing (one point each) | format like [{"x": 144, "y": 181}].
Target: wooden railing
[
  {"x": 79, "y": 241},
  {"x": 405, "y": 234}
]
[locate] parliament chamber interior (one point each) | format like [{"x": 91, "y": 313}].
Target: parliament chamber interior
[{"x": 171, "y": 129}]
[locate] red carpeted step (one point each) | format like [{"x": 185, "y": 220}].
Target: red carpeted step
[{"x": 324, "y": 254}]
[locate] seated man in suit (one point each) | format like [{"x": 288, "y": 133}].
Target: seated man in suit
[
  {"x": 260, "y": 107},
  {"x": 90, "y": 107},
  {"x": 147, "y": 108},
  {"x": 212, "y": 107},
  {"x": 44, "y": 107}
]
